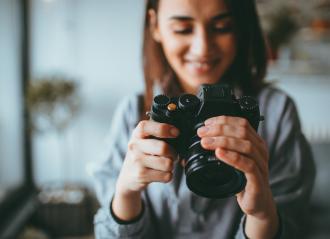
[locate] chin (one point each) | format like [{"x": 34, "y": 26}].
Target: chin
[{"x": 203, "y": 80}]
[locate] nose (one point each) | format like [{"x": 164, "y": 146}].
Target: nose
[{"x": 201, "y": 44}]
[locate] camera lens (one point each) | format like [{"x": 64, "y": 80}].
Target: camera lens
[{"x": 207, "y": 176}]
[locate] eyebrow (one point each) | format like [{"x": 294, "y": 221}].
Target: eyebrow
[
  {"x": 221, "y": 16},
  {"x": 215, "y": 18}
]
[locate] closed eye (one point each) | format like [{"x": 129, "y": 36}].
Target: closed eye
[
  {"x": 183, "y": 31},
  {"x": 225, "y": 29}
]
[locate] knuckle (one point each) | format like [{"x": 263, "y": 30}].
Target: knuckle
[
  {"x": 140, "y": 173},
  {"x": 131, "y": 145},
  {"x": 139, "y": 129},
  {"x": 163, "y": 147},
  {"x": 224, "y": 118},
  {"x": 250, "y": 166},
  {"x": 243, "y": 133},
  {"x": 167, "y": 177},
  {"x": 221, "y": 129},
  {"x": 224, "y": 142},
  {"x": 248, "y": 147},
  {"x": 249, "y": 210},
  {"x": 244, "y": 122},
  {"x": 168, "y": 164},
  {"x": 163, "y": 129},
  {"x": 236, "y": 157},
  {"x": 142, "y": 125},
  {"x": 136, "y": 159}
]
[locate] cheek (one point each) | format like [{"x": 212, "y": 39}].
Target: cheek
[
  {"x": 173, "y": 48},
  {"x": 173, "y": 52}
]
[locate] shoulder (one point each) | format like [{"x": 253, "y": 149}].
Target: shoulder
[
  {"x": 125, "y": 117},
  {"x": 130, "y": 102},
  {"x": 128, "y": 108},
  {"x": 271, "y": 95},
  {"x": 280, "y": 113},
  {"x": 276, "y": 104}
]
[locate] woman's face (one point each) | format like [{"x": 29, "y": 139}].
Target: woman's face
[{"x": 197, "y": 39}]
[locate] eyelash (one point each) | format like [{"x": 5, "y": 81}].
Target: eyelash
[
  {"x": 183, "y": 31},
  {"x": 187, "y": 31},
  {"x": 223, "y": 29}
]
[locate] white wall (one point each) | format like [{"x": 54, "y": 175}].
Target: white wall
[
  {"x": 98, "y": 42},
  {"x": 311, "y": 95},
  {"x": 11, "y": 118}
]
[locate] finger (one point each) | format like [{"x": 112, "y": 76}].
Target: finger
[
  {"x": 152, "y": 147},
  {"x": 147, "y": 175},
  {"x": 223, "y": 130},
  {"x": 247, "y": 165},
  {"x": 224, "y": 119},
  {"x": 240, "y": 132},
  {"x": 244, "y": 128},
  {"x": 147, "y": 128},
  {"x": 183, "y": 163},
  {"x": 240, "y": 146},
  {"x": 158, "y": 163}
]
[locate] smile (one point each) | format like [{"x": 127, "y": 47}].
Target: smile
[{"x": 201, "y": 66}]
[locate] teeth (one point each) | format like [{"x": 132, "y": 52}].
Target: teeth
[{"x": 201, "y": 64}]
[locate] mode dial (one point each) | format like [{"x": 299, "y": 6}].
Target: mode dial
[
  {"x": 188, "y": 102},
  {"x": 161, "y": 101}
]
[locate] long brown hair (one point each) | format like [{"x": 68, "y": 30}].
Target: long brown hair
[{"x": 247, "y": 71}]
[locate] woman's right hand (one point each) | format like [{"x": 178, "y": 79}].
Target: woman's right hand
[{"x": 147, "y": 160}]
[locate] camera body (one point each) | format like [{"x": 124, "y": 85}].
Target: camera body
[{"x": 206, "y": 175}]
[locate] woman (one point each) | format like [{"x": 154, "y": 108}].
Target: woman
[{"x": 140, "y": 184}]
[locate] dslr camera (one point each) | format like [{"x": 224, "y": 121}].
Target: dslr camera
[{"x": 206, "y": 175}]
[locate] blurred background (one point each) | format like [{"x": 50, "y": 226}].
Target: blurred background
[{"x": 65, "y": 65}]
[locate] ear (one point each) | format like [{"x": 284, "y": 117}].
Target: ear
[{"x": 154, "y": 25}]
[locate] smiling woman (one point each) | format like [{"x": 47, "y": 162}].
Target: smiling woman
[
  {"x": 210, "y": 38},
  {"x": 198, "y": 42},
  {"x": 140, "y": 184}
]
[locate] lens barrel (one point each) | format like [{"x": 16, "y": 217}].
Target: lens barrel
[{"x": 208, "y": 176}]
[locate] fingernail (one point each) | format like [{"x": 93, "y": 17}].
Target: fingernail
[
  {"x": 208, "y": 140},
  {"x": 209, "y": 121},
  {"x": 174, "y": 132},
  {"x": 203, "y": 130}
]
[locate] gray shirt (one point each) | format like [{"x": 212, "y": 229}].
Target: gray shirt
[{"x": 172, "y": 211}]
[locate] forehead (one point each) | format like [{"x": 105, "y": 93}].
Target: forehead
[{"x": 198, "y": 9}]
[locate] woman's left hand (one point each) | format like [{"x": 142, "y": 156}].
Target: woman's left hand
[{"x": 237, "y": 144}]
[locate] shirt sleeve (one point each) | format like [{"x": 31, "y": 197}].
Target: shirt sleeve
[
  {"x": 105, "y": 174},
  {"x": 291, "y": 166}
]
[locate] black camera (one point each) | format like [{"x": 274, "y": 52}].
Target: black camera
[{"x": 205, "y": 174}]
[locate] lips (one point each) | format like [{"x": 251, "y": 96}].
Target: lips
[{"x": 201, "y": 67}]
